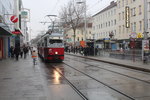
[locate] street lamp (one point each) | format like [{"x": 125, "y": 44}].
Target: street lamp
[
  {"x": 145, "y": 42},
  {"x": 84, "y": 2}
]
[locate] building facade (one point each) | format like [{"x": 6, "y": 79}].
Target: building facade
[
  {"x": 79, "y": 35},
  {"x": 6, "y": 26},
  {"x": 136, "y": 17},
  {"x": 105, "y": 25},
  {"x": 148, "y": 17},
  {"x": 8, "y": 29}
]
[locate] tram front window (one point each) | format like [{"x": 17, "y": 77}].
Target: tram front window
[{"x": 56, "y": 43}]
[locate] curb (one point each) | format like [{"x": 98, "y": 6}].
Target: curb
[{"x": 114, "y": 63}]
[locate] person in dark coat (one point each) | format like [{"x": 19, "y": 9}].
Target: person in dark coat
[
  {"x": 21, "y": 52},
  {"x": 25, "y": 51},
  {"x": 12, "y": 51},
  {"x": 17, "y": 52}
]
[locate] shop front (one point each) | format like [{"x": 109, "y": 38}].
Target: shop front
[{"x": 4, "y": 42}]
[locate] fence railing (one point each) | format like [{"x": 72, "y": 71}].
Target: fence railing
[{"x": 121, "y": 54}]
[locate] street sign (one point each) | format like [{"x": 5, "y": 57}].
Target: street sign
[
  {"x": 14, "y": 19},
  {"x": 133, "y": 35},
  {"x": 139, "y": 35},
  {"x": 24, "y": 14}
]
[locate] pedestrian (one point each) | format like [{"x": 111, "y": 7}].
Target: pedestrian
[
  {"x": 21, "y": 52},
  {"x": 34, "y": 56},
  {"x": 25, "y": 50},
  {"x": 17, "y": 52},
  {"x": 12, "y": 52}
]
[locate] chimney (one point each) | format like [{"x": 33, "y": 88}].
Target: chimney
[{"x": 112, "y": 2}]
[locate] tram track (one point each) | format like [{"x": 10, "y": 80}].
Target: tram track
[
  {"x": 74, "y": 87},
  {"x": 113, "y": 72},
  {"x": 129, "y": 97}
]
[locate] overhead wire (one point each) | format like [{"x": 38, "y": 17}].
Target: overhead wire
[
  {"x": 55, "y": 5},
  {"x": 94, "y": 4}
]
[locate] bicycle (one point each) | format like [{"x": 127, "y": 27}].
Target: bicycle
[{"x": 34, "y": 61}]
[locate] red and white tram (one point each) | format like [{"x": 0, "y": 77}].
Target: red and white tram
[{"x": 51, "y": 47}]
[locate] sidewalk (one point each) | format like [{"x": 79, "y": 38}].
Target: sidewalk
[
  {"x": 138, "y": 65},
  {"x": 20, "y": 80}
]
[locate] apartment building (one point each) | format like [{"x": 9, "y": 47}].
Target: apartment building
[
  {"x": 80, "y": 34},
  {"x": 105, "y": 25},
  {"x": 105, "y": 22},
  {"x": 148, "y": 17},
  {"x": 134, "y": 10}
]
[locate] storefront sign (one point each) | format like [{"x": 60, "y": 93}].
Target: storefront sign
[
  {"x": 14, "y": 19},
  {"x": 127, "y": 17},
  {"x": 16, "y": 32}
]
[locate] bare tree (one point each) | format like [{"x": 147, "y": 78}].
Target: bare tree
[{"x": 72, "y": 15}]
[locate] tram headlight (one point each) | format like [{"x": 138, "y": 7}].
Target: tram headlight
[{"x": 56, "y": 53}]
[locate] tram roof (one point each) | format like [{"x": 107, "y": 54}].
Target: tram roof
[
  {"x": 51, "y": 35},
  {"x": 56, "y": 34}
]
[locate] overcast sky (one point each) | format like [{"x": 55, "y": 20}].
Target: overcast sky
[{"x": 40, "y": 8}]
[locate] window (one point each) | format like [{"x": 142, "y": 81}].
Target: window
[
  {"x": 114, "y": 11},
  {"x": 133, "y": 11},
  {"x": 78, "y": 39},
  {"x": 131, "y": 27},
  {"x": 135, "y": 26},
  {"x": 149, "y": 6},
  {"x": 111, "y": 12},
  {"x": 140, "y": 10},
  {"x": 118, "y": 4},
  {"x": 111, "y": 22},
  {"x": 123, "y": 28},
  {"x": 119, "y": 16},
  {"x": 122, "y": 3},
  {"x": 123, "y": 15},
  {"x": 119, "y": 29},
  {"x": 126, "y": 2},
  {"x": 140, "y": 22},
  {"x": 149, "y": 24}
]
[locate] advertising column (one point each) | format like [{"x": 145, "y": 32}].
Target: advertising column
[{"x": 145, "y": 48}]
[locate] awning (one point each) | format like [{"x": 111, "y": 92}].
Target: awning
[
  {"x": 17, "y": 32},
  {"x": 4, "y": 32}
]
